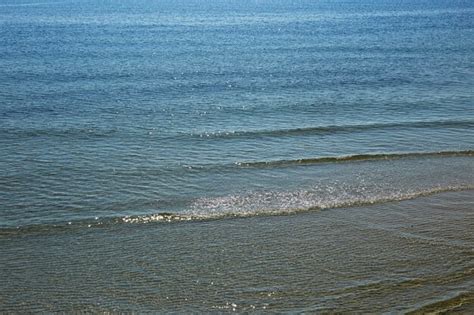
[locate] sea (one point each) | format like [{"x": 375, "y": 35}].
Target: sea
[{"x": 289, "y": 156}]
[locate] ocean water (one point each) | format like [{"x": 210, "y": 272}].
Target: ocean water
[{"x": 136, "y": 115}]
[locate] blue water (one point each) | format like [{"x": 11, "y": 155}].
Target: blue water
[
  {"x": 211, "y": 156},
  {"x": 121, "y": 110}
]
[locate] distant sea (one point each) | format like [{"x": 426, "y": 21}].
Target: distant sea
[{"x": 163, "y": 119}]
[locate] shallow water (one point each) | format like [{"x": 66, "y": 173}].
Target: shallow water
[
  {"x": 393, "y": 257},
  {"x": 114, "y": 114}
]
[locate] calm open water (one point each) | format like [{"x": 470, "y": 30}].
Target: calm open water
[{"x": 114, "y": 114}]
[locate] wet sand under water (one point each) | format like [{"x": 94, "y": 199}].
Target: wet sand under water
[{"x": 415, "y": 255}]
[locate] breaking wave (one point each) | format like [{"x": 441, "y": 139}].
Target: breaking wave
[{"x": 252, "y": 205}]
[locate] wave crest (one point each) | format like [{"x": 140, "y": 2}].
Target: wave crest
[
  {"x": 354, "y": 158},
  {"x": 258, "y": 204},
  {"x": 331, "y": 129}
]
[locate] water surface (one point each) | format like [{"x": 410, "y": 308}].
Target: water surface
[{"x": 118, "y": 113}]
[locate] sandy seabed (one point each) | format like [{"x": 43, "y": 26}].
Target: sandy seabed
[{"x": 414, "y": 255}]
